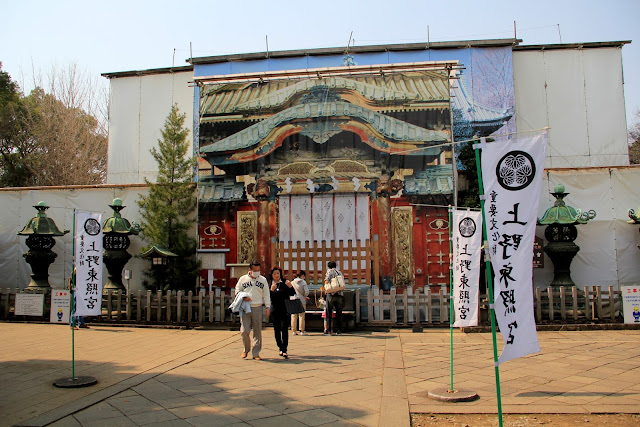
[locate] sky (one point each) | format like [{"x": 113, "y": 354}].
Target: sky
[{"x": 118, "y": 35}]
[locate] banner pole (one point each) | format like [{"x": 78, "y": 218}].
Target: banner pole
[
  {"x": 450, "y": 301},
  {"x": 489, "y": 287},
  {"x": 81, "y": 381},
  {"x": 73, "y": 300}
]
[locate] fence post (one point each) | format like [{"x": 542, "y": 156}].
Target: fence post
[
  {"x": 416, "y": 313},
  {"x": 587, "y": 303},
  {"x": 159, "y": 306},
  {"x": 599, "y": 302},
  {"x": 612, "y": 304},
  {"x": 200, "y": 307},
  {"x": 357, "y": 306},
  {"x": 405, "y": 306},
  {"x": 148, "y": 306},
  {"x": 218, "y": 312},
  {"x": 189, "y": 306},
  {"x": 109, "y": 305},
  {"x": 370, "y": 315},
  {"x": 178, "y": 307},
  {"x": 118, "y": 305},
  {"x": 393, "y": 310},
  {"x": 563, "y": 311},
  {"x": 138, "y": 306},
  {"x": 538, "y": 305},
  {"x": 443, "y": 306},
  {"x": 550, "y": 294},
  {"x": 128, "y": 305},
  {"x": 410, "y": 307},
  {"x": 574, "y": 300},
  {"x": 428, "y": 297},
  {"x": 169, "y": 297},
  {"x": 211, "y": 310},
  {"x": 6, "y": 302}
]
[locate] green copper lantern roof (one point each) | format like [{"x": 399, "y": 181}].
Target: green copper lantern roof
[
  {"x": 41, "y": 224},
  {"x": 635, "y": 216},
  {"x": 157, "y": 250},
  {"x": 117, "y": 224},
  {"x": 560, "y": 213}
]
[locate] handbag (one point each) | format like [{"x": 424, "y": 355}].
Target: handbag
[
  {"x": 335, "y": 285},
  {"x": 294, "y": 306}
]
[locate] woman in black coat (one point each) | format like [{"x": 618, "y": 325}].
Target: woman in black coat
[{"x": 281, "y": 290}]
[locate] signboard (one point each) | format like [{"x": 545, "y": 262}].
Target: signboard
[
  {"x": 60, "y": 306},
  {"x": 631, "y": 304},
  {"x": 538, "y": 252},
  {"x": 29, "y": 304}
]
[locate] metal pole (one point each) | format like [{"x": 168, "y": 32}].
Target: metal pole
[
  {"x": 73, "y": 300},
  {"x": 489, "y": 287},
  {"x": 450, "y": 301}
]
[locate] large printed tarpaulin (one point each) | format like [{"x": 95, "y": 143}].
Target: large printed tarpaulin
[
  {"x": 467, "y": 243},
  {"x": 512, "y": 172},
  {"x": 88, "y": 260}
]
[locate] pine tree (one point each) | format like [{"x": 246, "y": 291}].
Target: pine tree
[{"x": 168, "y": 210}]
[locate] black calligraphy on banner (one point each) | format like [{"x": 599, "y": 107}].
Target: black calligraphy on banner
[
  {"x": 88, "y": 261},
  {"x": 512, "y": 175},
  {"x": 467, "y": 240}
]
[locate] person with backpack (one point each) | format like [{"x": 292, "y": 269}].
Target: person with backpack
[
  {"x": 335, "y": 300},
  {"x": 302, "y": 294}
]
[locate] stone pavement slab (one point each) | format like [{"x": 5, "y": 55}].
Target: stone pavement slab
[{"x": 185, "y": 377}]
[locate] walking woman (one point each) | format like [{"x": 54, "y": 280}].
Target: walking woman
[{"x": 281, "y": 290}]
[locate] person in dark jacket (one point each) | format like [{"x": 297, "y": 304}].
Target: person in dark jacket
[{"x": 281, "y": 290}]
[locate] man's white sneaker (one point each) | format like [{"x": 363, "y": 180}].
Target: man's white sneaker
[{"x": 303, "y": 333}]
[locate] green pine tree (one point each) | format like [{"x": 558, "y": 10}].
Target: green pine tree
[{"x": 168, "y": 212}]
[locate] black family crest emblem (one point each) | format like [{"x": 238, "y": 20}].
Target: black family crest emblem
[
  {"x": 467, "y": 227},
  {"x": 515, "y": 170},
  {"x": 92, "y": 227}
]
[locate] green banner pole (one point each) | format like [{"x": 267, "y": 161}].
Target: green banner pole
[
  {"x": 450, "y": 302},
  {"x": 73, "y": 300},
  {"x": 487, "y": 264}
]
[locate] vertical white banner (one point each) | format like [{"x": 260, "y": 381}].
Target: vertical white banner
[
  {"x": 467, "y": 243},
  {"x": 88, "y": 261},
  {"x": 512, "y": 174}
]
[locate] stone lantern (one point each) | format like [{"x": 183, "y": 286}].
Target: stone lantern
[
  {"x": 116, "y": 230},
  {"x": 635, "y": 218},
  {"x": 40, "y": 231},
  {"x": 561, "y": 221}
]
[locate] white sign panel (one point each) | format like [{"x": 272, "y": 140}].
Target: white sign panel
[
  {"x": 29, "y": 304},
  {"x": 631, "y": 304},
  {"x": 88, "y": 260},
  {"x": 512, "y": 173},
  {"x": 467, "y": 242},
  {"x": 60, "y": 306}
]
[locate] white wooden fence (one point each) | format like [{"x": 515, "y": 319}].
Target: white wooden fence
[{"x": 369, "y": 306}]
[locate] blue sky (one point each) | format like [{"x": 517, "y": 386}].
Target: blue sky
[{"x": 131, "y": 35}]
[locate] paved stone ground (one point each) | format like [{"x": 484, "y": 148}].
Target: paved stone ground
[{"x": 195, "y": 377}]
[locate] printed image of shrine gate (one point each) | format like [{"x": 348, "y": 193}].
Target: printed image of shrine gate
[{"x": 351, "y": 164}]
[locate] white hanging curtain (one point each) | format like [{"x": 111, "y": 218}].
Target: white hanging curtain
[{"x": 325, "y": 217}]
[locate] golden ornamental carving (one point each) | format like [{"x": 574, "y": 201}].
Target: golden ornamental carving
[
  {"x": 402, "y": 228},
  {"x": 349, "y": 166},
  {"x": 247, "y": 236},
  {"x": 296, "y": 168}
]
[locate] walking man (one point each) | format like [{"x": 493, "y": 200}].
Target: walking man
[{"x": 258, "y": 289}]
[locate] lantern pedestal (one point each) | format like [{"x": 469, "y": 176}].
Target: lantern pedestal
[
  {"x": 115, "y": 260},
  {"x": 561, "y": 254}
]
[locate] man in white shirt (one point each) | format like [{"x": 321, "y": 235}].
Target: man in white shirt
[{"x": 258, "y": 289}]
